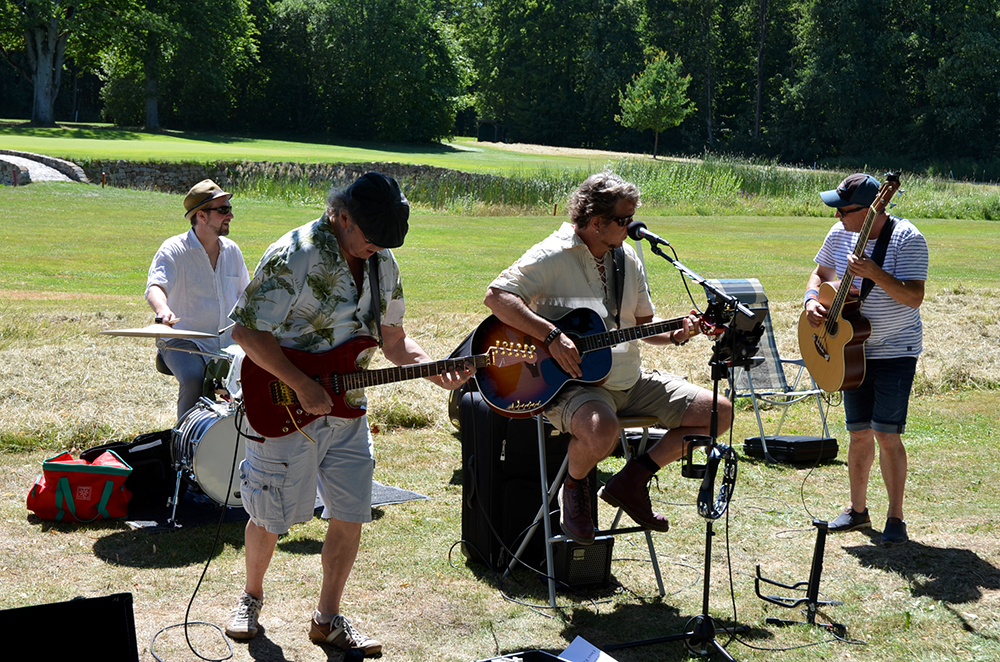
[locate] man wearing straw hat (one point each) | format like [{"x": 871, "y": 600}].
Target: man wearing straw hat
[{"x": 193, "y": 282}]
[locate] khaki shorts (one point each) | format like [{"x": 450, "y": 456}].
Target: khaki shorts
[
  {"x": 281, "y": 477},
  {"x": 657, "y": 393}
]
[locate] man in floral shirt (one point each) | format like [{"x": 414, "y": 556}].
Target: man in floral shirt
[{"x": 313, "y": 291}]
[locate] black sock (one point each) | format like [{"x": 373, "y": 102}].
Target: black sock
[{"x": 647, "y": 463}]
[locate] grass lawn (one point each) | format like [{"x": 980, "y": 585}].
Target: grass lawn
[
  {"x": 73, "y": 262},
  {"x": 73, "y": 141}
]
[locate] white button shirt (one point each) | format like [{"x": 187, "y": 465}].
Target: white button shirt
[{"x": 198, "y": 294}]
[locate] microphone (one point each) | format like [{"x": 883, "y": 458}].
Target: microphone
[{"x": 637, "y": 230}]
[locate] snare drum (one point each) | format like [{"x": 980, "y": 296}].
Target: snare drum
[{"x": 204, "y": 446}]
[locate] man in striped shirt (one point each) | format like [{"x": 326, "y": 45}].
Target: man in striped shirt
[{"x": 875, "y": 410}]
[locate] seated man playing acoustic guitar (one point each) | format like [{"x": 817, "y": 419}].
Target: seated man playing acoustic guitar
[
  {"x": 575, "y": 268},
  {"x": 313, "y": 290}
]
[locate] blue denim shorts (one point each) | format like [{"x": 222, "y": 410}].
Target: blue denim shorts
[{"x": 881, "y": 401}]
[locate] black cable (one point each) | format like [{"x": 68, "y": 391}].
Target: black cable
[{"x": 215, "y": 544}]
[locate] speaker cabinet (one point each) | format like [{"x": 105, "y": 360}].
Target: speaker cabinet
[{"x": 79, "y": 629}]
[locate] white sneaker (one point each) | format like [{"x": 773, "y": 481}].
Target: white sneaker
[{"x": 243, "y": 619}]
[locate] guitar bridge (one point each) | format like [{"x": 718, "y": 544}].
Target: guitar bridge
[
  {"x": 820, "y": 349},
  {"x": 282, "y": 395}
]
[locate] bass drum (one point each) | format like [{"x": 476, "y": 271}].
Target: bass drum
[{"x": 204, "y": 450}]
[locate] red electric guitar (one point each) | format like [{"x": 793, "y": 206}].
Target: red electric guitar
[{"x": 273, "y": 409}]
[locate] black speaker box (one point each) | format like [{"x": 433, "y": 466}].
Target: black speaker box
[
  {"x": 583, "y": 565},
  {"x": 526, "y": 656},
  {"x": 99, "y": 629},
  {"x": 501, "y": 484},
  {"x": 793, "y": 449}
]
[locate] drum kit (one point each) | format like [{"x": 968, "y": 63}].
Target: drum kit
[{"x": 208, "y": 443}]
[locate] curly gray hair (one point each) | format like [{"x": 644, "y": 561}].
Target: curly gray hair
[{"x": 598, "y": 196}]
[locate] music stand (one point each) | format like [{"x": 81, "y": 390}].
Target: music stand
[{"x": 735, "y": 347}]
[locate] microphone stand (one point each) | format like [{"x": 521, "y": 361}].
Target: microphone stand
[
  {"x": 730, "y": 300},
  {"x": 699, "y": 634}
]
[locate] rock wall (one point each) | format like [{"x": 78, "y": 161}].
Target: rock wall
[
  {"x": 11, "y": 174},
  {"x": 179, "y": 177}
]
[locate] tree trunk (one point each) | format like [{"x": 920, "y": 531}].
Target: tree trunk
[
  {"x": 656, "y": 142},
  {"x": 760, "y": 67},
  {"x": 151, "y": 69},
  {"x": 46, "y": 48}
]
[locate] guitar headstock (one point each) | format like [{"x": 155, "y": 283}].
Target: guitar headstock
[
  {"x": 886, "y": 191},
  {"x": 505, "y": 353},
  {"x": 708, "y": 327}
]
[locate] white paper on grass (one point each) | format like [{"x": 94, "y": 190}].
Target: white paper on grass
[{"x": 581, "y": 650}]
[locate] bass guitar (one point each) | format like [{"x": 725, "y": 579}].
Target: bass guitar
[
  {"x": 272, "y": 407},
  {"x": 834, "y": 352},
  {"x": 523, "y": 389}
]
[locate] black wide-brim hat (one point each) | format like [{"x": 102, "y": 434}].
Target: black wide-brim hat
[{"x": 379, "y": 208}]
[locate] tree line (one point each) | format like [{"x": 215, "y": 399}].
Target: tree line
[{"x": 796, "y": 80}]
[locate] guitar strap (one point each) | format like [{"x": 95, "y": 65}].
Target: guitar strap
[
  {"x": 619, "y": 258},
  {"x": 376, "y": 292},
  {"x": 878, "y": 254}
]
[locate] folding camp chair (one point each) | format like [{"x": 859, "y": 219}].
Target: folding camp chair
[{"x": 765, "y": 382}]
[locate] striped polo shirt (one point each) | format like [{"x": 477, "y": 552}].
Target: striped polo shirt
[{"x": 896, "y": 328}]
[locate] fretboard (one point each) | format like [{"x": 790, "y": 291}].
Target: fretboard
[{"x": 618, "y": 336}]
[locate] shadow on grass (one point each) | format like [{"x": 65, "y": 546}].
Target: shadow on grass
[
  {"x": 108, "y": 132},
  {"x": 262, "y": 649},
  {"x": 176, "y": 549},
  {"x": 951, "y": 575}
]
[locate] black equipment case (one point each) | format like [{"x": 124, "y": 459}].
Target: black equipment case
[
  {"x": 501, "y": 486},
  {"x": 792, "y": 449}
]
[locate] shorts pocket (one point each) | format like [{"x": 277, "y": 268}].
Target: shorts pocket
[{"x": 262, "y": 489}]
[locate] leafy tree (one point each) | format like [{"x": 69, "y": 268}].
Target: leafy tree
[
  {"x": 657, "y": 98},
  {"x": 46, "y": 30},
  {"x": 182, "y": 57},
  {"x": 550, "y": 71}
]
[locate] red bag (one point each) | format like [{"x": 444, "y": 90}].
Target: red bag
[{"x": 71, "y": 490}]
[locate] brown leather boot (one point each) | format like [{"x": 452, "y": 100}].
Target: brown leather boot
[
  {"x": 629, "y": 490},
  {"x": 574, "y": 505}
]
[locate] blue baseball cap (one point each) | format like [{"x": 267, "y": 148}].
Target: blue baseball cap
[{"x": 856, "y": 189}]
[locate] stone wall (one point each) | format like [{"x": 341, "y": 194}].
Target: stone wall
[
  {"x": 7, "y": 174},
  {"x": 179, "y": 177}
]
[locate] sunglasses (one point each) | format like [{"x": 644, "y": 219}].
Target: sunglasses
[
  {"x": 845, "y": 212},
  {"x": 622, "y": 221},
  {"x": 224, "y": 209}
]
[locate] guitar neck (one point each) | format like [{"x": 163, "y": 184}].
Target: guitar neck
[
  {"x": 859, "y": 251},
  {"x": 355, "y": 380},
  {"x": 618, "y": 336},
  {"x": 885, "y": 193}
]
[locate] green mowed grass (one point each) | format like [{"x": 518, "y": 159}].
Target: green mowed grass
[
  {"x": 107, "y": 142},
  {"x": 73, "y": 261}
]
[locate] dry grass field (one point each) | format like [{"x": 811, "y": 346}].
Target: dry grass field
[
  {"x": 64, "y": 386},
  {"x": 936, "y": 598}
]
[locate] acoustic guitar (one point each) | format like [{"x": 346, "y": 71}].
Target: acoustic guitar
[
  {"x": 273, "y": 409},
  {"x": 525, "y": 388},
  {"x": 834, "y": 352}
]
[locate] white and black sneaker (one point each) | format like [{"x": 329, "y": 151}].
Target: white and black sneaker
[{"x": 243, "y": 619}]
